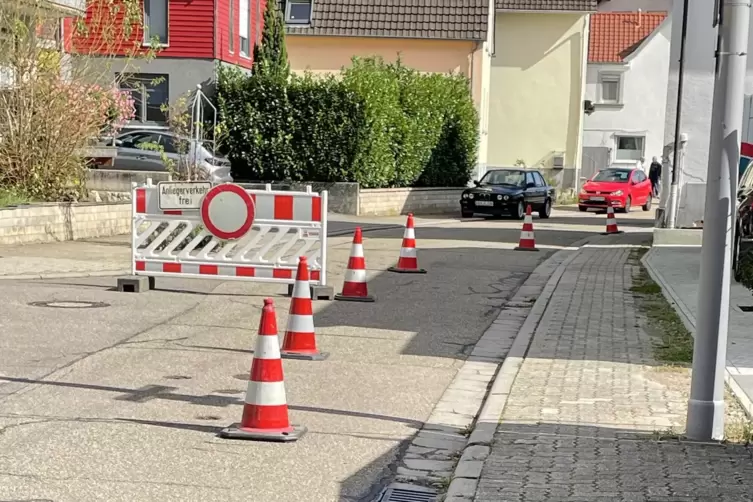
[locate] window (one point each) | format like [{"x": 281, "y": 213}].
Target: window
[
  {"x": 611, "y": 175},
  {"x": 245, "y": 11},
  {"x": 638, "y": 176},
  {"x": 155, "y": 21},
  {"x": 150, "y": 93},
  {"x": 298, "y": 11},
  {"x": 629, "y": 148},
  {"x": 231, "y": 30},
  {"x": 503, "y": 177},
  {"x": 529, "y": 180},
  {"x": 539, "y": 180},
  {"x": 610, "y": 87}
]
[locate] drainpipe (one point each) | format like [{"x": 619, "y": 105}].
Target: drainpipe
[{"x": 671, "y": 218}]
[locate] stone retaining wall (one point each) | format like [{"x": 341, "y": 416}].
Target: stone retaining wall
[
  {"x": 63, "y": 222},
  {"x": 394, "y": 201}
]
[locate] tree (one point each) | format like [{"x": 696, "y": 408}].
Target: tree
[
  {"x": 58, "y": 90},
  {"x": 270, "y": 55}
]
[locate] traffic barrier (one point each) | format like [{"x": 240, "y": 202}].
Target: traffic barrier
[
  {"x": 196, "y": 230},
  {"x": 300, "y": 336},
  {"x": 265, "y": 412},
  {"x": 527, "y": 240},
  {"x": 407, "y": 263},
  {"x": 611, "y": 223},
  {"x": 355, "y": 288}
]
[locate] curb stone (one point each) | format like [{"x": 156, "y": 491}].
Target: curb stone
[
  {"x": 65, "y": 275},
  {"x": 465, "y": 477},
  {"x": 444, "y": 439},
  {"x": 688, "y": 319}
]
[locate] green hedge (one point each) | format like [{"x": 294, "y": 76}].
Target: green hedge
[{"x": 382, "y": 125}]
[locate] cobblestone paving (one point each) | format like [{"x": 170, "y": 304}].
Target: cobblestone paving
[{"x": 578, "y": 423}]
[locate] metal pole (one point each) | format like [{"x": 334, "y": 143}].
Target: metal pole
[
  {"x": 672, "y": 202},
  {"x": 706, "y": 404}
]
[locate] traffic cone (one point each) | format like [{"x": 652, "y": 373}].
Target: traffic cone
[
  {"x": 355, "y": 288},
  {"x": 408, "y": 261},
  {"x": 300, "y": 338},
  {"x": 265, "y": 412},
  {"x": 527, "y": 240},
  {"x": 611, "y": 223}
]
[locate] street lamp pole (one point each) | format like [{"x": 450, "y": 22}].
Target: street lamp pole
[{"x": 706, "y": 404}]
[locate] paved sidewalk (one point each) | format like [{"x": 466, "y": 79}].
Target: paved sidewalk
[
  {"x": 677, "y": 270},
  {"x": 579, "y": 419}
]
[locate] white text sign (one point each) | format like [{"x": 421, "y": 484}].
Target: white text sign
[{"x": 177, "y": 195}]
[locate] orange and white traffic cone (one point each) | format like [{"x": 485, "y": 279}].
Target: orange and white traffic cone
[
  {"x": 611, "y": 223},
  {"x": 408, "y": 261},
  {"x": 265, "y": 412},
  {"x": 355, "y": 288},
  {"x": 527, "y": 240},
  {"x": 300, "y": 338}
]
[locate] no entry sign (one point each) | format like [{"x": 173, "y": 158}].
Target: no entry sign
[{"x": 227, "y": 211}]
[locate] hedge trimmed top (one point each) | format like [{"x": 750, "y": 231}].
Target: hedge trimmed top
[{"x": 379, "y": 124}]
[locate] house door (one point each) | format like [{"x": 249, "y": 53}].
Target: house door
[{"x": 595, "y": 158}]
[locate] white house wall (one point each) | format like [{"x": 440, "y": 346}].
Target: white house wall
[
  {"x": 634, "y": 5},
  {"x": 643, "y": 98},
  {"x": 698, "y": 89}
]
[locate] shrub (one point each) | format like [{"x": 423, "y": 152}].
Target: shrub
[
  {"x": 746, "y": 268},
  {"x": 328, "y": 128},
  {"x": 55, "y": 107},
  {"x": 380, "y": 125}
]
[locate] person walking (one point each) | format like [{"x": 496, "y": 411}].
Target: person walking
[{"x": 654, "y": 174}]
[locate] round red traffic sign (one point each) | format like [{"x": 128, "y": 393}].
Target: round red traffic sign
[{"x": 227, "y": 211}]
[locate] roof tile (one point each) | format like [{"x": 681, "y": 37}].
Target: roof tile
[
  {"x": 614, "y": 35},
  {"x": 550, "y": 5},
  {"x": 428, "y": 19}
]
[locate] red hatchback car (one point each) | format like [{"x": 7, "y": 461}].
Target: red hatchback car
[{"x": 620, "y": 188}]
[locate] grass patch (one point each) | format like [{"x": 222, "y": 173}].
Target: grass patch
[
  {"x": 673, "y": 343},
  {"x": 10, "y": 197}
]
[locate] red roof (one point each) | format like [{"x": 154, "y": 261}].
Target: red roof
[{"x": 614, "y": 35}]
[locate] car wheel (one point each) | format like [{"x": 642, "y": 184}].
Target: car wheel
[
  {"x": 626, "y": 209},
  {"x": 736, "y": 269},
  {"x": 546, "y": 211},
  {"x": 647, "y": 205},
  {"x": 466, "y": 214},
  {"x": 520, "y": 211},
  {"x": 582, "y": 209}
]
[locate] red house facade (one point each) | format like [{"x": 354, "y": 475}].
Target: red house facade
[{"x": 195, "y": 37}]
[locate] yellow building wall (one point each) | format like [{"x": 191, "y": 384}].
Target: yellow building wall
[
  {"x": 536, "y": 87},
  {"x": 321, "y": 54}
]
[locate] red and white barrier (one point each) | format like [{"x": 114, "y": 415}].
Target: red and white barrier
[{"x": 228, "y": 232}]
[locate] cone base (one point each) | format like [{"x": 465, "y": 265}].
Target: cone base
[
  {"x": 306, "y": 356},
  {"x": 292, "y": 433},
  {"x": 344, "y": 298},
  {"x": 613, "y": 233},
  {"x": 518, "y": 248},
  {"x": 407, "y": 270}
]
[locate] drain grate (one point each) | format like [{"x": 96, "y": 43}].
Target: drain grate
[
  {"x": 407, "y": 493},
  {"x": 746, "y": 308}
]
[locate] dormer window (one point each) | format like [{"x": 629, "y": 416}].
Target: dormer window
[{"x": 298, "y": 12}]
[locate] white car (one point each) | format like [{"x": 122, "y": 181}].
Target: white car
[{"x": 136, "y": 152}]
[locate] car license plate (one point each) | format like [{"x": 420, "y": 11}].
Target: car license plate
[
  {"x": 484, "y": 203},
  {"x": 598, "y": 199}
]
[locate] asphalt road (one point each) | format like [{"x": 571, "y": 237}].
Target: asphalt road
[{"x": 123, "y": 402}]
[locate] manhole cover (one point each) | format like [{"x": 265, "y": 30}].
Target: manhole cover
[{"x": 70, "y": 304}]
